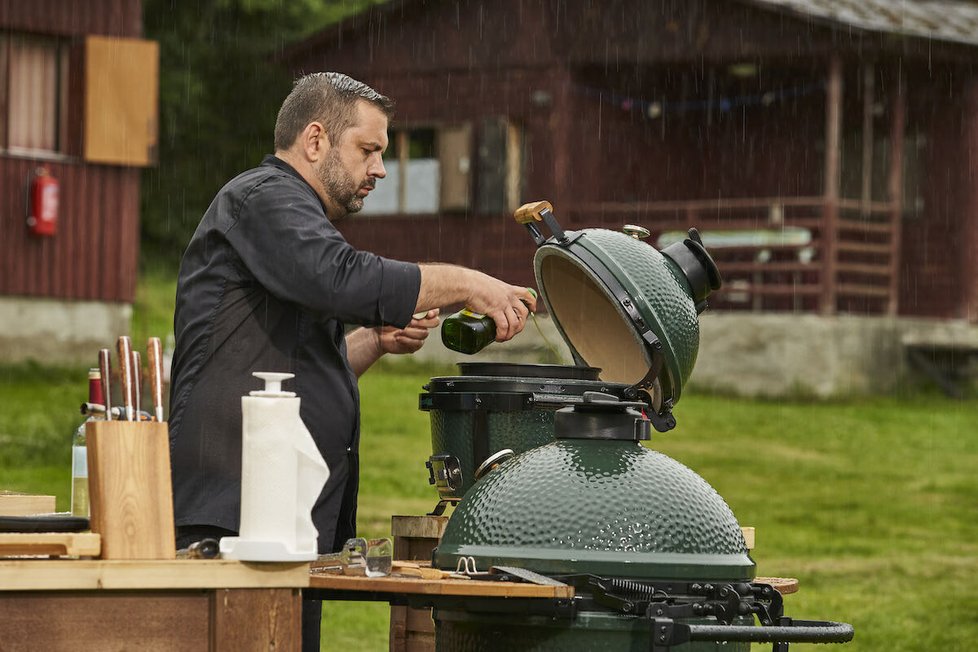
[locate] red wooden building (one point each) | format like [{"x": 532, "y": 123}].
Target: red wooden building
[
  {"x": 78, "y": 99},
  {"x": 826, "y": 150}
]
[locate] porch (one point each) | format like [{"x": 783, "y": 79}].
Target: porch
[{"x": 836, "y": 252}]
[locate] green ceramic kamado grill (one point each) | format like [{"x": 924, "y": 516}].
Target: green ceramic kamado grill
[
  {"x": 656, "y": 557},
  {"x": 629, "y": 316}
]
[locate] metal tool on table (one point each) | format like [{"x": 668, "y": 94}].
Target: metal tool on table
[
  {"x": 204, "y": 549},
  {"x": 359, "y": 556}
]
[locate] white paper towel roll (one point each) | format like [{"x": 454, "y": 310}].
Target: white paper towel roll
[{"x": 282, "y": 474}]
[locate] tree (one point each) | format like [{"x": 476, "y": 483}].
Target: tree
[{"x": 220, "y": 89}]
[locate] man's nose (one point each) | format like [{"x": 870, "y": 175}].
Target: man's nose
[{"x": 377, "y": 169}]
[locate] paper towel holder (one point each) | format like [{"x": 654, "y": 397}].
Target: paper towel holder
[
  {"x": 278, "y": 529},
  {"x": 273, "y": 384}
]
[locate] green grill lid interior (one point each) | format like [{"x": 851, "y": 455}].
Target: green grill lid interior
[{"x": 623, "y": 306}]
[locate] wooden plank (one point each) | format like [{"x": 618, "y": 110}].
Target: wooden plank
[
  {"x": 129, "y": 486},
  {"x": 120, "y": 100},
  {"x": 865, "y": 227},
  {"x": 783, "y": 585},
  {"x": 49, "y": 575},
  {"x": 412, "y": 630},
  {"x": 833, "y": 129},
  {"x": 865, "y": 247},
  {"x": 13, "y": 504},
  {"x": 864, "y": 268},
  {"x": 417, "y": 586},
  {"x": 869, "y": 84},
  {"x": 856, "y": 289},
  {"x": 256, "y": 619},
  {"x": 697, "y": 204},
  {"x": 78, "y": 544},
  {"x": 895, "y": 188},
  {"x": 780, "y": 290},
  {"x": 879, "y": 208},
  {"x": 732, "y": 268},
  {"x": 104, "y": 621},
  {"x": 423, "y": 527}
]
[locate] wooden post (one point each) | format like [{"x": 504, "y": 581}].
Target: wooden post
[
  {"x": 830, "y": 216},
  {"x": 894, "y": 185},
  {"x": 869, "y": 91},
  {"x": 415, "y": 537}
]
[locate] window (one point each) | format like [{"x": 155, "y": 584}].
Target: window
[
  {"x": 33, "y": 93},
  {"x": 500, "y": 173},
  {"x": 429, "y": 170},
  {"x": 413, "y": 175}
]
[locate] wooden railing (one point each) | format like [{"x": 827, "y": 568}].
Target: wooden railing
[{"x": 777, "y": 253}]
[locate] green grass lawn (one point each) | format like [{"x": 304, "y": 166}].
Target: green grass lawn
[{"x": 871, "y": 504}]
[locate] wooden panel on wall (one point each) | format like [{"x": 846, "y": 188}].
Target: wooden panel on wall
[
  {"x": 85, "y": 621},
  {"x": 237, "y": 628},
  {"x": 73, "y": 18},
  {"x": 121, "y": 90}
]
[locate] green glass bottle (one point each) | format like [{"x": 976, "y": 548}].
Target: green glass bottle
[{"x": 469, "y": 332}]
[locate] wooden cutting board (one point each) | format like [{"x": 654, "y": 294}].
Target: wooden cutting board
[
  {"x": 50, "y": 544},
  {"x": 14, "y": 504}
]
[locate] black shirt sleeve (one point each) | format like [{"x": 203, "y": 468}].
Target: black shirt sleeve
[{"x": 282, "y": 235}]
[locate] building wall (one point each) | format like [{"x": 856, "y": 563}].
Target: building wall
[
  {"x": 94, "y": 254},
  {"x": 462, "y": 61},
  {"x": 937, "y": 273}
]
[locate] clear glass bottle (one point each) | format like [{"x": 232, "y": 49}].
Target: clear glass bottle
[
  {"x": 469, "y": 332},
  {"x": 79, "y": 449}
]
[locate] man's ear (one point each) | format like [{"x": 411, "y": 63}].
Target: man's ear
[{"x": 315, "y": 142}]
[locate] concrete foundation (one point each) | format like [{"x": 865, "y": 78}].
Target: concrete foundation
[
  {"x": 769, "y": 355},
  {"x": 52, "y": 331}
]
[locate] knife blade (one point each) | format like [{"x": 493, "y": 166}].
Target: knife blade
[
  {"x": 137, "y": 379},
  {"x": 106, "y": 369},
  {"x": 125, "y": 373},
  {"x": 154, "y": 351}
]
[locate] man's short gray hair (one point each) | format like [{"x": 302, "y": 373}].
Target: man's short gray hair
[{"x": 327, "y": 97}]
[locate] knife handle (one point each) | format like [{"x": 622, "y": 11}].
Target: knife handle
[
  {"x": 106, "y": 370},
  {"x": 154, "y": 353},
  {"x": 125, "y": 374},
  {"x": 137, "y": 380}
]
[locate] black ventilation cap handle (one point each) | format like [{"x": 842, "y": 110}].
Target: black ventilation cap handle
[{"x": 697, "y": 264}]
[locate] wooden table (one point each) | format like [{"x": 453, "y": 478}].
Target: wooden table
[{"x": 183, "y": 604}]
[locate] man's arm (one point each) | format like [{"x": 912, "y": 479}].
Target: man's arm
[
  {"x": 508, "y": 305},
  {"x": 365, "y": 346},
  {"x": 363, "y": 349}
]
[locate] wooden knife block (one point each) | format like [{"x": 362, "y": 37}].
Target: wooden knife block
[{"x": 129, "y": 489}]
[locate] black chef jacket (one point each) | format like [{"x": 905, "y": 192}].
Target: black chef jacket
[{"x": 267, "y": 284}]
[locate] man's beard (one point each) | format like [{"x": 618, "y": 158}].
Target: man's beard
[{"x": 340, "y": 185}]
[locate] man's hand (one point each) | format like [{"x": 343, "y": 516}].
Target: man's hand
[
  {"x": 507, "y": 305},
  {"x": 410, "y": 338}
]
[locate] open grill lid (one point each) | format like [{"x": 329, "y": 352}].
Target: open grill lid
[{"x": 623, "y": 306}]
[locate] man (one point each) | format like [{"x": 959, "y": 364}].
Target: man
[{"x": 268, "y": 284}]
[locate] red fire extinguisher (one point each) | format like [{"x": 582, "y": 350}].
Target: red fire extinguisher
[{"x": 42, "y": 212}]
